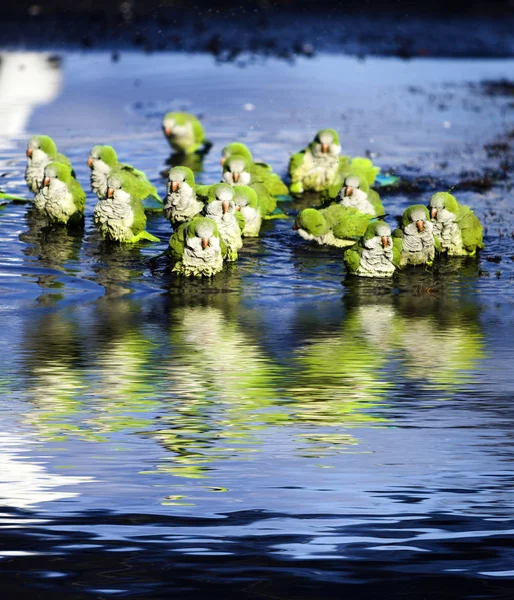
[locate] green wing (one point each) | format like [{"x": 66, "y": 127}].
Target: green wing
[
  {"x": 471, "y": 229},
  {"x": 296, "y": 163},
  {"x": 374, "y": 198},
  {"x": 334, "y": 214},
  {"x": 364, "y": 168},
  {"x": 139, "y": 222},
  {"x": 352, "y": 226},
  {"x": 198, "y": 132},
  {"x": 240, "y": 220},
  {"x": 178, "y": 241},
  {"x": 141, "y": 189},
  {"x": 397, "y": 237},
  {"x": 437, "y": 243},
  {"x": 223, "y": 247},
  {"x": 263, "y": 173},
  {"x": 79, "y": 195},
  {"x": 352, "y": 258},
  {"x": 62, "y": 158},
  {"x": 267, "y": 201},
  {"x": 202, "y": 192}
]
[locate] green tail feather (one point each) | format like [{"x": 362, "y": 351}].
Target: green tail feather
[
  {"x": 144, "y": 235},
  {"x": 11, "y": 198}
]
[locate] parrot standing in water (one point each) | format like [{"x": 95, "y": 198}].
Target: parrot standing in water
[
  {"x": 41, "y": 149},
  {"x": 120, "y": 216},
  {"x": 236, "y": 172},
  {"x": 414, "y": 243},
  {"x": 184, "y": 133},
  {"x": 260, "y": 172},
  {"x": 456, "y": 226},
  {"x": 103, "y": 161},
  {"x": 342, "y": 223},
  {"x": 197, "y": 248},
  {"x": 60, "y": 198},
  {"x": 372, "y": 256},
  {"x": 248, "y": 204},
  {"x": 184, "y": 199},
  {"x": 221, "y": 208},
  {"x": 320, "y": 168}
]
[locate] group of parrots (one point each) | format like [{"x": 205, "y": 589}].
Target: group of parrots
[{"x": 210, "y": 221}]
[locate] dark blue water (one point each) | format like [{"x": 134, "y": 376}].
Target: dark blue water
[{"x": 278, "y": 431}]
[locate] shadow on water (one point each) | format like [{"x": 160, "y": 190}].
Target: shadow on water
[{"x": 419, "y": 558}]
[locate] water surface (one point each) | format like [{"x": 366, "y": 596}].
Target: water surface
[{"x": 278, "y": 430}]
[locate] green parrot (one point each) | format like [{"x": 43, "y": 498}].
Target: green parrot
[
  {"x": 120, "y": 215},
  {"x": 103, "y": 161},
  {"x": 414, "y": 243},
  {"x": 236, "y": 172},
  {"x": 341, "y": 223},
  {"x": 221, "y": 209},
  {"x": 372, "y": 256},
  {"x": 356, "y": 193},
  {"x": 249, "y": 206},
  {"x": 184, "y": 132},
  {"x": 336, "y": 225},
  {"x": 184, "y": 198},
  {"x": 456, "y": 226},
  {"x": 197, "y": 248},
  {"x": 260, "y": 172},
  {"x": 60, "y": 198},
  {"x": 320, "y": 168},
  {"x": 41, "y": 150}
]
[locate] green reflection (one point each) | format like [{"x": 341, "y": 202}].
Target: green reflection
[
  {"x": 88, "y": 382},
  {"x": 224, "y": 391},
  {"x": 198, "y": 376}
]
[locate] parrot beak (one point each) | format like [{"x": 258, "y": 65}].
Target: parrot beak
[
  {"x": 205, "y": 243},
  {"x": 46, "y": 181},
  {"x": 235, "y": 177},
  {"x": 295, "y": 227},
  {"x": 110, "y": 192},
  {"x": 174, "y": 186},
  {"x": 238, "y": 207},
  {"x": 348, "y": 190},
  {"x": 29, "y": 152},
  {"x": 168, "y": 131},
  {"x": 420, "y": 225},
  {"x": 222, "y": 160},
  {"x": 225, "y": 206},
  {"x": 324, "y": 148},
  {"x": 433, "y": 213},
  {"x": 385, "y": 241},
  {"x": 90, "y": 162}
]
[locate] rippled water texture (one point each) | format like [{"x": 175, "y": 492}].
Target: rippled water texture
[{"x": 279, "y": 431}]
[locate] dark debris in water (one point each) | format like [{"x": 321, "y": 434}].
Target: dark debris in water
[{"x": 502, "y": 87}]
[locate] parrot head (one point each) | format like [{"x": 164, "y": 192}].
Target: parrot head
[
  {"x": 326, "y": 143},
  {"x": 443, "y": 206},
  {"x": 221, "y": 201},
  {"x": 311, "y": 221},
  {"x": 235, "y": 171},
  {"x": 180, "y": 178},
  {"x": 40, "y": 148},
  {"x": 236, "y": 148},
  {"x": 56, "y": 175},
  {"x": 202, "y": 235}
]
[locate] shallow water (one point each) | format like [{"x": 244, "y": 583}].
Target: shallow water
[{"x": 277, "y": 431}]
